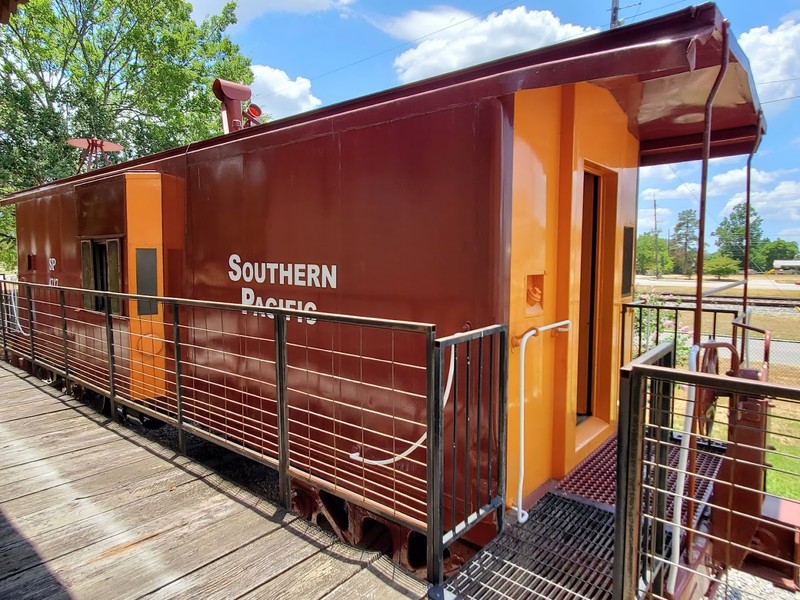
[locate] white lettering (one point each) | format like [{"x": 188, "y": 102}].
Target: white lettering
[
  {"x": 248, "y": 297},
  {"x": 262, "y": 276},
  {"x": 313, "y": 276},
  {"x": 286, "y": 274},
  {"x": 329, "y": 276},
  {"x": 247, "y": 272},
  {"x": 235, "y": 274},
  {"x": 300, "y": 275},
  {"x": 272, "y": 268},
  {"x": 310, "y": 306}
]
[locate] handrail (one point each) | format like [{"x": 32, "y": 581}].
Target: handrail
[
  {"x": 722, "y": 288},
  {"x": 683, "y": 459},
  {"x": 522, "y": 341}
]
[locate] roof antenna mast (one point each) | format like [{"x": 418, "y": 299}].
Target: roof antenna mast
[{"x": 615, "y": 22}]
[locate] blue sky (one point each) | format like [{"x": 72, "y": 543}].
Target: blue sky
[{"x": 311, "y": 53}]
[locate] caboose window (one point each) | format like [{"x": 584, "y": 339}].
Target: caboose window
[{"x": 100, "y": 270}]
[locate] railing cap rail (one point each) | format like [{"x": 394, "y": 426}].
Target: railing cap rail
[{"x": 410, "y": 326}]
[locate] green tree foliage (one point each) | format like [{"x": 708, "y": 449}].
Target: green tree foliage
[
  {"x": 720, "y": 265},
  {"x": 776, "y": 250},
  {"x": 135, "y": 72},
  {"x": 646, "y": 255},
  {"x": 683, "y": 248},
  {"x": 730, "y": 236}
]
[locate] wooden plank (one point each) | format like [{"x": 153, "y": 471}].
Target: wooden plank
[
  {"x": 253, "y": 565},
  {"x": 166, "y": 540},
  {"x": 73, "y": 544},
  {"x": 157, "y": 561},
  {"x": 53, "y": 444},
  {"x": 381, "y": 580},
  {"x": 316, "y": 576},
  {"x": 43, "y": 512},
  {"x": 30, "y": 478}
]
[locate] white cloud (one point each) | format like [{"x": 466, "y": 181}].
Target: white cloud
[
  {"x": 278, "y": 95},
  {"x": 461, "y": 40},
  {"x": 684, "y": 191},
  {"x": 645, "y": 220},
  {"x": 781, "y": 204},
  {"x": 774, "y": 57},
  {"x": 735, "y": 180},
  {"x": 249, "y": 10},
  {"x": 790, "y": 234}
]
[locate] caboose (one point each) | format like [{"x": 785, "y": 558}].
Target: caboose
[{"x": 504, "y": 193}]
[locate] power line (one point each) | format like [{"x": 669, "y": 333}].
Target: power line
[{"x": 781, "y": 99}]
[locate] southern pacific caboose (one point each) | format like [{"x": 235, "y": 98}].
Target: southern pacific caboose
[{"x": 500, "y": 194}]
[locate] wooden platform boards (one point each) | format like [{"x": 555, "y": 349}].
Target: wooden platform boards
[{"x": 90, "y": 509}]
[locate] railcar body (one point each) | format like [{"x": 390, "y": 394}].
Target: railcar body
[{"x": 503, "y": 193}]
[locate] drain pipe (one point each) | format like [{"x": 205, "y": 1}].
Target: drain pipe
[
  {"x": 683, "y": 459},
  {"x": 701, "y": 221},
  {"x": 522, "y": 341}
]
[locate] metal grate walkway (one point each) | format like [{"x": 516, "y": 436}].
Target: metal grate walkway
[{"x": 564, "y": 551}]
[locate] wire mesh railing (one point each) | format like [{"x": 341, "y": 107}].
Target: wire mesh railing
[
  {"x": 347, "y": 405},
  {"x": 647, "y": 325},
  {"x": 709, "y": 481}
]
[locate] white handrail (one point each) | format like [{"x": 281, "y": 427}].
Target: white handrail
[
  {"x": 683, "y": 459},
  {"x": 356, "y": 456},
  {"x": 565, "y": 325}
]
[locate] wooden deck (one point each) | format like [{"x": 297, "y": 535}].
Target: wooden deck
[{"x": 90, "y": 509}]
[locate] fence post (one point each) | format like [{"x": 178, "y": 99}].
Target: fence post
[
  {"x": 435, "y": 458},
  {"x": 284, "y": 481},
  {"x": 63, "y": 310},
  {"x": 176, "y": 338},
  {"x": 3, "y": 304},
  {"x": 502, "y": 408},
  {"x": 629, "y": 476},
  {"x": 112, "y": 390},
  {"x": 30, "y": 328}
]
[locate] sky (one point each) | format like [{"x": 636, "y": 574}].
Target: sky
[{"x": 311, "y": 53}]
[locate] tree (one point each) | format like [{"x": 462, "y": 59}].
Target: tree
[
  {"x": 777, "y": 250},
  {"x": 646, "y": 254},
  {"x": 684, "y": 242},
  {"x": 720, "y": 265},
  {"x": 730, "y": 235},
  {"x": 135, "y": 72}
]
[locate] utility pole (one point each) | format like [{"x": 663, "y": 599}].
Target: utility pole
[
  {"x": 615, "y": 22},
  {"x": 655, "y": 231}
]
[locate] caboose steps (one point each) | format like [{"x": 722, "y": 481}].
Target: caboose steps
[{"x": 91, "y": 509}]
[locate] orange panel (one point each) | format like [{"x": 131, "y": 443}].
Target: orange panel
[
  {"x": 559, "y": 133},
  {"x": 143, "y": 205}
]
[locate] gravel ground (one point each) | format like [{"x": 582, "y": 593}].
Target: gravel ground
[{"x": 741, "y": 586}]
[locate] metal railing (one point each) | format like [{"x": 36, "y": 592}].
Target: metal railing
[
  {"x": 349, "y": 405},
  {"x": 648, "y": 324},
  {"x": 740, "y": 504},
  {"x": 472, "y": 457}
]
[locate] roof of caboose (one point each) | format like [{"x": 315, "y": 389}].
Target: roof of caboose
[{"x": 660, "y": 72}]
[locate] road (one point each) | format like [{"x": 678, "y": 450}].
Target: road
[{"x": 709, "y": 284}]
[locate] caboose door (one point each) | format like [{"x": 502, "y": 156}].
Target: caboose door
[{"x": 145, "y": 276}]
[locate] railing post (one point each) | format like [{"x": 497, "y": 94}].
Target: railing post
[
  {"x": 3, "y": 304},
  {"x": 30, "y": 328},
  {"x": 502, "y": 393},
  {"x": 628, "y": 502},
  {"x": 435, "y": 457},
  {"x": 176, "y": 338},
  {"x": 284, "y": 481},
  {"x": 63, "y": 311},
  {"x": 112, "y": 390}
]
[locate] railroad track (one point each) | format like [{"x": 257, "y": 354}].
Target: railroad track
[{"x": 765, "y": 301}]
